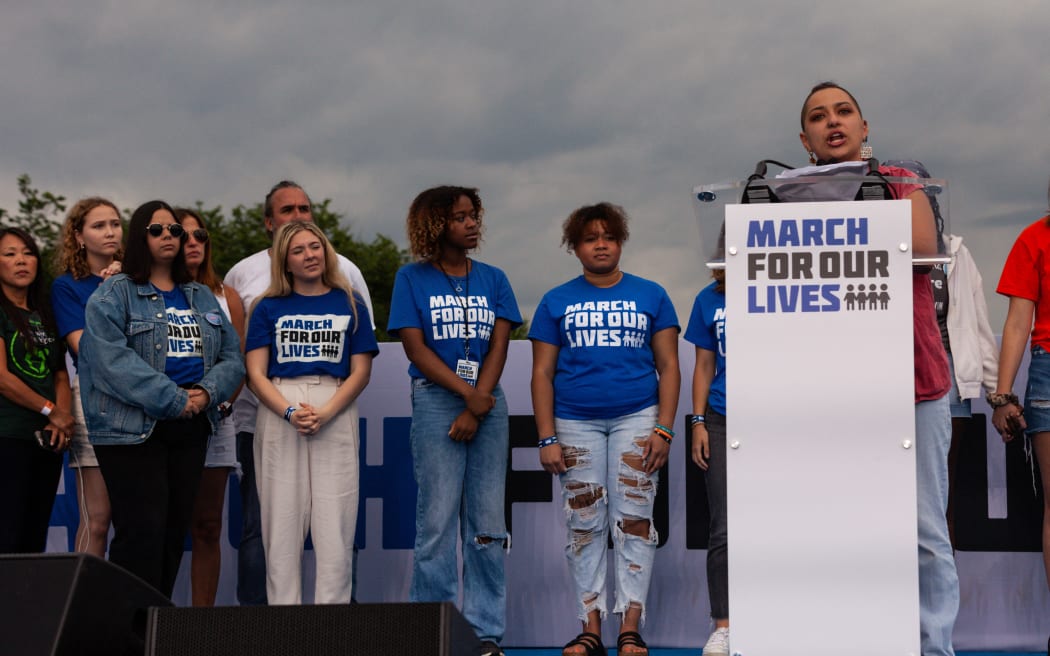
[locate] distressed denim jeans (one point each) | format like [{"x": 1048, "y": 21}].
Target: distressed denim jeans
[
  {"x": 604, "y": 486},
  {"x": 461, "y": 485}
]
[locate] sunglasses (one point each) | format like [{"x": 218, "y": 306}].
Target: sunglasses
[
  {"x": 157, "y": 229},
  {"x": 200, "y": 234}
]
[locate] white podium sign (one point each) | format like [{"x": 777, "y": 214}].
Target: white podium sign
[{"x": 820, "y": 411}]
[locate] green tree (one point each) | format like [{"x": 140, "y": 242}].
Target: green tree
[
  {"x": 243, "y": 232},
  {"x": 40, "y": 213}
]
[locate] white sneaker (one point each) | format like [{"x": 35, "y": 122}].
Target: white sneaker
[{"x": 718, "y": 643}]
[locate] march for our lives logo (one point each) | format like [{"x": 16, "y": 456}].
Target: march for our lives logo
[
  {"x": 605, "y": 323},
  {"x": 311, "y": 337},
  {"x": 184, "y": 335},
  {"x": 844, "y": 274},
  {"x": 461, "y": 317}
]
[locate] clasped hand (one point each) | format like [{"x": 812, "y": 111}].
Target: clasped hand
[
  {"x": 466, "y": 424},
  {"x": 196, "y": 403}
]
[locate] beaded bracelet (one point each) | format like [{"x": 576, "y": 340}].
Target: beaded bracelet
[
  {"x": 999, "y": 400},
  {"x": 288, "y": 413},
  {"x": 697, "y": 419},
  {"x": 547, "y": 441}
]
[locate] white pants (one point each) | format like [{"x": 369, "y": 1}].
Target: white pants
[{"x": 307, "y": 483}]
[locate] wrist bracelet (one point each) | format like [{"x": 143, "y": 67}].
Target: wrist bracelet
[
  {"x": 665, "y": 433},
  {"x": 661, "y": 427},
  {"x": 697, "y": 419},
  {"x": 48, "y": 407},
  {"x": 997, "y": 400},
  {"x": 288, "y": 413},
  {"x": 547, "y": 441}
]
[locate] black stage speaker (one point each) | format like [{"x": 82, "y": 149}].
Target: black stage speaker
[
  {"x": 72, "y": 604},
  {"x": 425, "y": 629}
]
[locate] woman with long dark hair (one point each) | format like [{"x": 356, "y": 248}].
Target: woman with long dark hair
[
  {"x": 157, "y": 357},
  {"x": 221, "y": 459},
  {"x": 36, "y": 422}
]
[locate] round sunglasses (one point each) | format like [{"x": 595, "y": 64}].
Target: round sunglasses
[
  {"x": 157, "y": 229},
  {"x": 177, "y": 231}
]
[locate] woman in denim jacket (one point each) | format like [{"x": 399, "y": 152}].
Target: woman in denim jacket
[{"x": 156, "y": 359}]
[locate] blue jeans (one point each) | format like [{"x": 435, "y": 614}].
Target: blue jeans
[
  {"x": 462, "y": 481},
  {"x": 602, "y": 487},
  {"x": 251, "y": 559},
  {"x": 938, "y": 580}
]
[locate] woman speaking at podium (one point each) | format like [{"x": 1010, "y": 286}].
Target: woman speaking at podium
[{"x": 834, "y": 131}]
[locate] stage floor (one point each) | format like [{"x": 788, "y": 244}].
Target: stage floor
[{"x": 695, "y": 652}]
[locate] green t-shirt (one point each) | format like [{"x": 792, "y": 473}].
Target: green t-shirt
[{"x": 36, "y": 368}]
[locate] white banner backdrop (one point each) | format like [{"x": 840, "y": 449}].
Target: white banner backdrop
[{"x": 1005, "y": 604}]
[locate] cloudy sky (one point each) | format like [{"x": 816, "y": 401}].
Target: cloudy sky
[{"x": 545, "y": 106}]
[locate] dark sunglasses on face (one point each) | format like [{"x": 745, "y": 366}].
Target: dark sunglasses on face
[
  {"x": 200, "y": 234},
  {"x": 157, "y": 229}
]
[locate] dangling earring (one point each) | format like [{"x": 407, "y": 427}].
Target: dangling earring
[
  {"x": 812, "y": 157},
  {"x": 865, "y": 150},
  {"x": 83, "y": 245}
]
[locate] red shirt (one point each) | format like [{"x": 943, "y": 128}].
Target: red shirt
[{"x": 1026, "y": 274}]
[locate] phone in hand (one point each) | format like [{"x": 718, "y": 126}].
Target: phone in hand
[{"x": 43, "y": 438}]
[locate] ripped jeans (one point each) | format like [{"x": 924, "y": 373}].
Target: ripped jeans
[
  {"x": 604, "y": 486},
  {"x": 461, "y": 492}
]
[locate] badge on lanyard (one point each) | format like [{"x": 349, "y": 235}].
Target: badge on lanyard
[{"x": 468, "y": 371}]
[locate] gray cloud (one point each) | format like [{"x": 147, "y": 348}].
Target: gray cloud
[{"x": 545, "y": 106}]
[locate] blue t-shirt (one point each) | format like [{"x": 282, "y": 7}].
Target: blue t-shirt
[
  {"x": 425, "y": 298},
  {"x": 185, "y": 363},
  {"x": 68, "y": 299},
  {"x": 707, "y": 330},
  {"x": 605, "y": 364},
  {"x": 311, "y": 335}
]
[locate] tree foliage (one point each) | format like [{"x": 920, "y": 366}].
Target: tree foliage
[
  {"x": 243, "y": 232},
  {"x": 235, "y": 235},
  {"x": 40, "y": 213}
]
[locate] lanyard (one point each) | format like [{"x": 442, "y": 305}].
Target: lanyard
[{"x": 462, "y": 300}]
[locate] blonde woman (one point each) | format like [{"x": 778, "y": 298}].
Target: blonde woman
[
  {"x": 90, "y": 252},
  {"x": 309, "y": 355}
]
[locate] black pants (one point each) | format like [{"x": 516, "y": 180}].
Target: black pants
[
  {"x": 152, "y": 487},
  {"x": 28, "y": 483},
  {"x": 718, "y": 535}
]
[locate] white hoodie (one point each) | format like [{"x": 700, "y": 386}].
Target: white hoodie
[{"x": 974, "y": 351}]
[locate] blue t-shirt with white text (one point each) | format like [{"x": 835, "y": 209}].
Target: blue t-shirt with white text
[
  {"x": 185, "y": 363},
  {"x": 707, "y": 330},
  {"x": 606, "y": 366},
  {"x": 455, "y": 314},
  {"x": 310, "y": 335}
]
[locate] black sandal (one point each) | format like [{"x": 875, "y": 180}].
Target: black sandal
[
  {"x": 630, "y": 639},
  {"x": 591, "y": 643}
]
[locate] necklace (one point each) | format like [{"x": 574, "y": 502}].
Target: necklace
[{"x": 462, "y": 300}]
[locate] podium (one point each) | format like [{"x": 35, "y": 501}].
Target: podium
[{"x": 820, "y": 420}]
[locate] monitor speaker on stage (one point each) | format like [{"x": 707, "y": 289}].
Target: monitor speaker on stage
[
  {"x": 56, "y": 604},
  {"x": 434, "y": 629}
]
